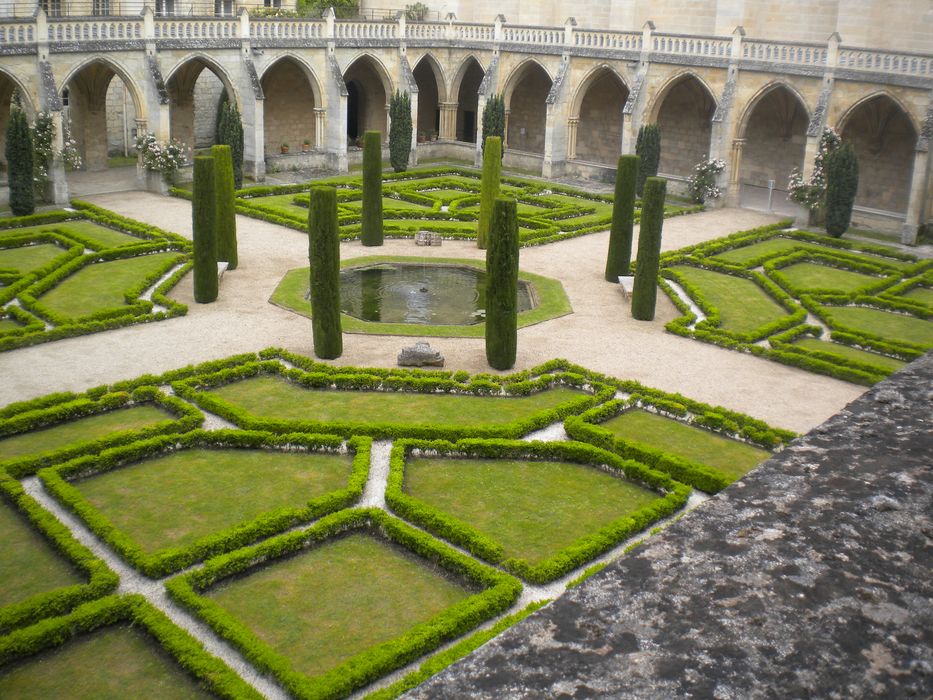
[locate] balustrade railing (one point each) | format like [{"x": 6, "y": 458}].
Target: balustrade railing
[{"x": 220, "y": 25}]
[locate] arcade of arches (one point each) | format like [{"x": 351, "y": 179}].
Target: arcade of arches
[{"x": 768, "y": 135}]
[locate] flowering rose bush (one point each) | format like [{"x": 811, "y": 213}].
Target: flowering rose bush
[
  {"x": 812, "y": 191},
  {"x": 165, "y": 158},
  {"x": 43, "y": 136},
  {"x": 703, "y": 181}
]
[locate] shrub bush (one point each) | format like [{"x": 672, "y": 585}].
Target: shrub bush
[
  {"x": 645, "y": 291},
  {"x": 19, "y": 163},
  {"x": 489, "y": 187},
  {"x": 400, "y": 131},
  {"x": 371, "y": 233},
  {"x": 502, "y": 286},
  {"x": 841, "y": 186},
  {"x": 494, "y": 119},
  {"x": 226, "y": 213},
  {"x": 204, "y": 226},
  {"x": 231, "y": 134},
  {"x": 648, "y": 146},
  {"x": 324, "y": 256},
  {"x": 619, "y": 258}
]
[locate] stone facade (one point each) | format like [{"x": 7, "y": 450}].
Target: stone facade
[
  {"x": 685, "y": 119},
  {"x": 290, "y": 120},
  {"x": 599, "y": 130}
]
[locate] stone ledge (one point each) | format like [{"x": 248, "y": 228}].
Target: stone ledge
[{"x": 808, "y": 578}]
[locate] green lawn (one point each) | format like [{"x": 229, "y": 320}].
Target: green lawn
[
  {"x": 101, "y": 286},
  {"x": 103, "y": 236},
  {"x": 779, "y": 245},
  {"x": 743, "y": 305},
  {"x": 89, "y": 428},
  {"x": 446, "y": 196},
  {"x": 27, "y": 258},
  {"x": 183, "y": 496},
  {"x": 849, "y": 353},
  {"x": 924, "y": 294},
  {"x": 334, "y": 601},
  {"x": 533, "y": 509},
  {"x": 8, "y": 324},
  {"x": 388, "y": 204},
  {"x": 29, "y": 564},
  {"x": 891, "y": 326},
  {"x": 113, "y": 663},
  {"x": 807, "y": 276},
  {"x": 273, "y": 397},
  {"x": 731, "y": 457}
]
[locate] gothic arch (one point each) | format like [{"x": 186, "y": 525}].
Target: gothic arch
[
  {"x": 884, "y": 137},
  {"x": 118, "y": 70},
  {"x": 855, "y": 106},
  {"x": 465, "y": 89},
  {"x": 195, "y": 85},
  {"x": 592, "y": 76},
  {"x": 369, "y": 90},
  {"x": 763, "y": 93},
  {"x": 462, "y": 71},
  {"x": 211, "y": 64},
  {"x": 9, "y": 83},
  {"x": 379, "y": 68},
  {"x": 670, "y": 84},
  {"x": 597, "y": 107},
  {"x": 683, "y": 110},
  {"x": 519, "y": 72},
  {"x": 526, "y": 93},
  {"x": 432, "y": 91},
  {"x": 292, "y": 94},
  {"x": 437, "y": 69},
  {"x": 305, "y": 67}
]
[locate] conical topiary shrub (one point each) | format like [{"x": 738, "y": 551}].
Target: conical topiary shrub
[
  {"x": 18, "y": 153},
  {"x": 203, "y": 221},
  {"x": 619, "y": 258},
  {"x": 230, "y": 133},
  {"x": 371, "y": 234},
  {"x": 502, "y": 286},
  {"x": 226, "y": 213},
  {"x": 841, "y": 186},
  {"x": 489, "y": 187},
  {"x": 324, "y": 256},
  {"x": 648, "y": 146},
  {"x": 645, "y": 288},
  {"x": 400, "y": 131},
  {"x": 494, "y": 120}
]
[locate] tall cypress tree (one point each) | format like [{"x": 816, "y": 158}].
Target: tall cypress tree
[
  {"x": 371, "y": 235},
  {"x": 400, "y": 131},
  {"x": 648, "y": 146},
  {"x": 645, "y": 288},
  {"x": 219, "y": 117},
  {"x": 489, "y": 187},
  {"x": 619, "y": 258},
  {"x": 324, "y": 256},
  {"x": 502, "y": 286},
  {"x": 230, "y": 133},
  {"x": 841, "y": 186},
  {"x": 18, "y": 153},
  {"x": 226, "y": 213},
  {"x": 494, "y": 119},
  {"x": 204, "y": 223}
]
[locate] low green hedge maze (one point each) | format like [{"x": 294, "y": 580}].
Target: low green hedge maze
[
  {"x": 70, "y": 439},
  {"x": 86, "y": 236},
  {"x": 866, "y": 303},
  {"x": 442, "y": 200}
]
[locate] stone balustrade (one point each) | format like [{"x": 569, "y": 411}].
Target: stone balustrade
[{"x": 20, "y": 35}]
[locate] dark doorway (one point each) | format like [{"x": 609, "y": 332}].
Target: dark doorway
[{"x": 353, "y": 110}]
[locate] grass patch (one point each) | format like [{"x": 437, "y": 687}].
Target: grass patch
[
  {"x": 808, "y": 276},
  {"x": 115, "y": 662},
  {"x": 354, "y": 578},
  {"x": 847, "y": 352},
  {"x": 534, "y": 509},
  {"x": 272, "y": 397},
  {"x": 183, "y": 496},
  {"x": 28, "y": 257},
  {"x": 101, "y": 286},
  {"x": 101, "y": 236},
  {"x": 93, "y": 427},
  {"x": 743, "y": 306},
  {"x": 921, "y": 294},
  {"x": 892, "y": 326},
  {"x": 7, "y": 325},
  {"x": 772, "y": 247},
  {"x": 732, "y": 457},
  {"x": 552, "y": 300},
  {"x": 30, "y": 565}
]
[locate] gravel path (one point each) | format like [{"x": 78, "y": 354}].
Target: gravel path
[{"x": 600, "y": 334}]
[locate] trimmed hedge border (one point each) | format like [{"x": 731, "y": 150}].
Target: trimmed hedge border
[
  {"x": 673, "y": 497},
  {"x": 43, "y": 413},
  {"x": 882, "y": 295},
  {"x": 101, "y": 580},
  {"x": 501, "y": 591},
  {"x": 366, "y": 380},
  {"x": 211, "y": 673},
  {"x": 170, "y": 560}
]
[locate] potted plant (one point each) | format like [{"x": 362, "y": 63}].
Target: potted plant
[
  {"x": 284, "y": 148},
  {"x": 434, "y": 136},
  {"x": 306, "y": 145},
  {"x": 422, "y": 137}
]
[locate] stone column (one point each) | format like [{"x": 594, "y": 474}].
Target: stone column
[
  {"x": 448, "y": 121},
  {"x": 505, "y": 137},
  {"x": 572, "y": 125},
  {"x": 732, "y": 194},
  {"x": 319, "y": 125},
  {"x": 919, "y": 190}
]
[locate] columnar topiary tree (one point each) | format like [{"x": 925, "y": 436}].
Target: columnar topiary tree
[
  {"x": 645, "y": 288},
  {"x": 494, "y": 118},
  {"x": 400, "y": 131},
  {"x": 489, "y": 187},
  {"x": 218, "y": 118},
  {"x": 648, "y": 146},
  {"x": 619, "y": 259},
  {"x": 371, "y": 234},
  {"x": 324, "y": 256},
  {"x": 841, "y": 186},
  {"x": 502, "y": 286},
  {"x": 230, "y": 133},
  {"x": 226, "y": 213},
  {"x": 18, "y": 153},
  {"x": 204, "y": 226}
]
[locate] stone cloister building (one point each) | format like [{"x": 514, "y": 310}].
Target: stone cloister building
[{"x": 576, "y": 93}]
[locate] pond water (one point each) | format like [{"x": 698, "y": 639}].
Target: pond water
[{"x": 428, "y": 294}]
